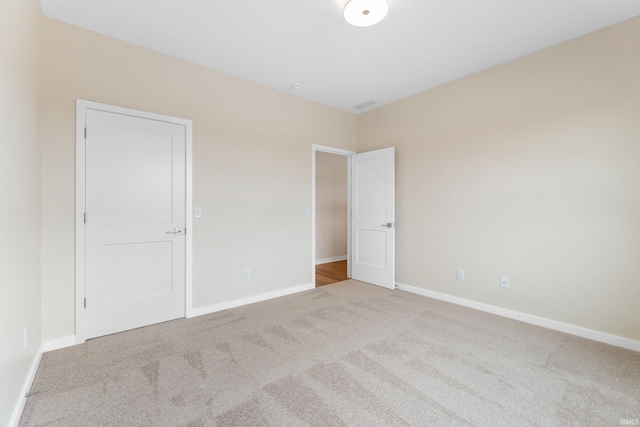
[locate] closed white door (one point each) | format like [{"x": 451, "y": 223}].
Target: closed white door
[
  {"x": 373, "y": 217},
  {"x": 135, "y": 222}
]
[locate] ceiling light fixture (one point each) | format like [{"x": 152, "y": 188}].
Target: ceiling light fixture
[{"x": 363, "y": 13}]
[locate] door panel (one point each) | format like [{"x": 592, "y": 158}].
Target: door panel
[
  {"x": 373, "y": 207},
  {"x": 135, "y": 199},
  {"x": 137, "y": 169},
  {"x": 371, "y": 188},
  {"x": 372, "y": 248},
  {"x": 136, "y": 270}
]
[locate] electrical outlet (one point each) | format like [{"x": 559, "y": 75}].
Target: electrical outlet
[
  {"x": 504, "y": 282},
  {"x": 247, "y": 273},
  {"x": 24, "y": 334},
  {"x": 460, "y": 274},
  {"x": 322, "y": 245}
]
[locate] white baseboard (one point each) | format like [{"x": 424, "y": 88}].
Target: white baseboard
[
  {"x": 70, "y": 340},
  {"x": 199, "y": 311},
  {"x": 59, "y": 343},
  {"x": 17, "y": 411},
  {"x": 44, "y": 347},
  {"x": 528, "y": 318},
  {"x": 332, "y": 259}
]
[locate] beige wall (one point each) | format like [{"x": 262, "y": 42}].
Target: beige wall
[
  {"x": 251, "y": 154},
  {"x": 529, "y": 170},
  {"x": 19, "y": 199},
  {"x": 331, "y": 206}
]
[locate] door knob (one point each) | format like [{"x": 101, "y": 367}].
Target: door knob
[
  {"x": 175, "y": 231},
  {"x": 388, "y": 225}
]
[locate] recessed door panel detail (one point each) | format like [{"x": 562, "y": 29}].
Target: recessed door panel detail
[
  {"x": 371, "y": 246},
  {"x": 137, "y": 270},
  {"x": 371, "y": 189},
  {"x": 138, "y": 173}
]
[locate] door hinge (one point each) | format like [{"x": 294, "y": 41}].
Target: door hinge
[
  {"x": 85, "y": 303},
  {"x": 85, "y": 133},
  {"x": 85, "y": 218}
]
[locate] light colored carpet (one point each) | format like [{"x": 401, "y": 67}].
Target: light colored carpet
[{"x": 347, "y": 354}]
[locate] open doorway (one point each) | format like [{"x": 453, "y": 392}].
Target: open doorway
[
  {"x": 331, "y": 215},
  {"x": 331, "y": 218}
]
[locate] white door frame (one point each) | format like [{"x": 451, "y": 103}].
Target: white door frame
[
  {"x": 339, "y": 151},
  {"x": 81, "y": 107}
]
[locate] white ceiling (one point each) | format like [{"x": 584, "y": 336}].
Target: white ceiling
[{"x": 278, "y": 43}]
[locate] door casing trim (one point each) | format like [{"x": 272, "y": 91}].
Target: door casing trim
[{"x": 80, "y": 197}]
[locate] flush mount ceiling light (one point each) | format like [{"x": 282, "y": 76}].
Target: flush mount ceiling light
[{"x": 363, "y": 13}]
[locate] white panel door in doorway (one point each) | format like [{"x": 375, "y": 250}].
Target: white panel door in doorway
[
  {"x": 135, "y": 222},
  {"x": 373, "y": 217}
]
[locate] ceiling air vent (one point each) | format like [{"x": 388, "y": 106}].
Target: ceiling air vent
[{"x": 366, "y": 104}]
